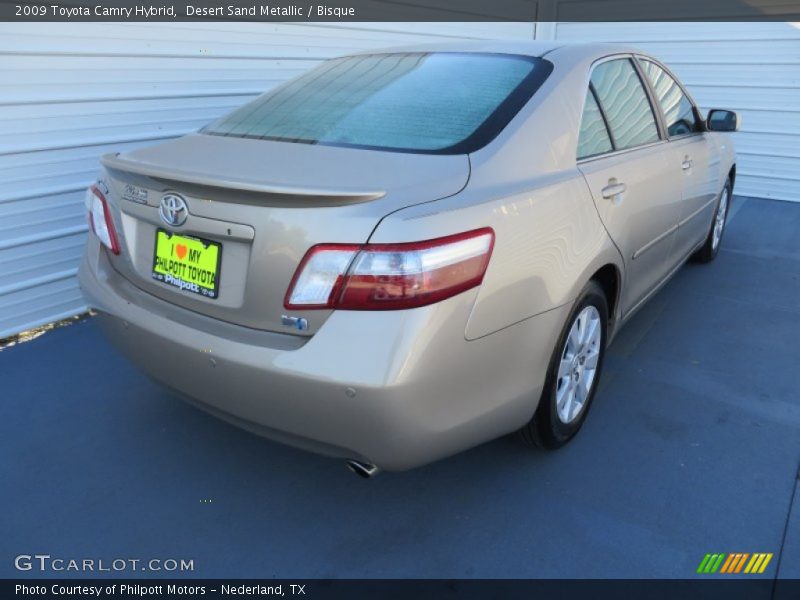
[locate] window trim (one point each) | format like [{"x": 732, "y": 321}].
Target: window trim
[
  {"x": 639, "y": 58},
  {"x": 602, "y": 111},
  {"x": 656, "y": 111}
]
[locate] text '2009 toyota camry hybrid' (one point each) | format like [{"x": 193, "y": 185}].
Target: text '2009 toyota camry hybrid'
[{"x": 402, "y": 254}]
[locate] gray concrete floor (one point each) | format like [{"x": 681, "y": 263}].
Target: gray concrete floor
[{"x": 692, "y": 446}]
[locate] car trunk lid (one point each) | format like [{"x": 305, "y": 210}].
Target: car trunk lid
[{"x": 266, "y": 203}]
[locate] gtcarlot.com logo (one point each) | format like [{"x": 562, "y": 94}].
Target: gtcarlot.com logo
[{"x": 47, "y": 563}]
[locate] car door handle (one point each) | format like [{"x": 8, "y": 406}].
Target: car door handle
[
  {"x": 614, "y": 190},
  {"x": 686, "y": 164}
]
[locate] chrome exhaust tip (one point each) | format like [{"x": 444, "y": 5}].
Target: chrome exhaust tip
[{"x": 365, "y": 470}]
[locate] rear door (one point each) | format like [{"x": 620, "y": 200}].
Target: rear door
[
  {"x": 621, "y": 155},
  {"x": 691, "y": 156}
]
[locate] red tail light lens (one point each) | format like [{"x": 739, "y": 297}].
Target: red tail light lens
[
  {"x": 390, "y": 276},
  {"x": 100, "y": 219}
]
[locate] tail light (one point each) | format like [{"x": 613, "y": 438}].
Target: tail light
[
  {"x": 100, "y": 219},
  {"x": 390, "y": 276}
]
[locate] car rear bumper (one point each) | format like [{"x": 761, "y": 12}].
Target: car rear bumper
[{"x": 396, "y": 388}]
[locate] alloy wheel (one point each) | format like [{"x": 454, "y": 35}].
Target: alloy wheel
[{"x": 578, "y": 364}]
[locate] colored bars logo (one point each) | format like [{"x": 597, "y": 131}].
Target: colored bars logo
[{"x": 740, "y": 562}]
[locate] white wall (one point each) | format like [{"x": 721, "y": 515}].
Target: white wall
[
  {"x": 70, "y": 92},
  {"x": 753, "y": 68}
]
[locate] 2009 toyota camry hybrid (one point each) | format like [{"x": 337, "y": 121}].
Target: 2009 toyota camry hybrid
[{"x": 403, "y": 254}]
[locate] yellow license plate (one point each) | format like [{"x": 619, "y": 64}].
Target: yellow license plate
[{"x": 188, "y": 263}]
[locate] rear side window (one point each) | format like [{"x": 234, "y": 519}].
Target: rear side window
[
  {"x": 677, "y": 108},
  {"x": 593, "y": 138},
  {"x": 625, "y": 104},
  {"x": 448, "y": 103}
]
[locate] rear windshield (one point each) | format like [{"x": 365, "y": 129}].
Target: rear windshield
[{"x": 442, "y": 103}]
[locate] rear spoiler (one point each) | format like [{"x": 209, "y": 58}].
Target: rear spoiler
[{"x": 116, "y": 162}]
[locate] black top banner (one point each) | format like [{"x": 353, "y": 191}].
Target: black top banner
[{"x": 401, "y": 10}]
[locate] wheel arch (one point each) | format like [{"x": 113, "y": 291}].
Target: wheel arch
[
  {"x": 610, "y": 279},
  {"x": 608, "y": 269}
]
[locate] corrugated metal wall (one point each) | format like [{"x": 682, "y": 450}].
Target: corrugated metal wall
[
  {"x": 70, "y": 92},
  {"x": 753, "y": 68}
]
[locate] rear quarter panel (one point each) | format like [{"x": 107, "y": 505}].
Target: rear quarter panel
[{"x": 548, "y": 243}]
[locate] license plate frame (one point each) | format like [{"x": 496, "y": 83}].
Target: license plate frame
[{"x": 183, "y": 278}]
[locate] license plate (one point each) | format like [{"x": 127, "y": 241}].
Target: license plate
[{"x": 188, "y": 263}]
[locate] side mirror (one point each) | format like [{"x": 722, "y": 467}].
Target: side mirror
[{"x": 722, "y": 120}]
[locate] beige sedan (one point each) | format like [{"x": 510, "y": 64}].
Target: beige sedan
[{"x": 403, "y": 254}]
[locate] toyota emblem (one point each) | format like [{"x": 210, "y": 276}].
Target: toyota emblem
[{"x": 173, "y": 210}]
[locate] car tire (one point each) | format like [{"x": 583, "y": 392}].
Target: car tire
[
  {"x": 553, "y": 424},
  {"x": 710, "y": 247}
]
